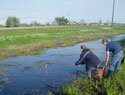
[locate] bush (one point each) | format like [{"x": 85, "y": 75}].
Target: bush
[
  {"x": 61, "y": 20},
  {"x": 12, "y": 22}
]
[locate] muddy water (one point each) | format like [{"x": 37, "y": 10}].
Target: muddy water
[{"x": 36, "y": 74}]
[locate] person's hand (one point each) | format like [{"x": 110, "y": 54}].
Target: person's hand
[{"x": 76, "y": 64}]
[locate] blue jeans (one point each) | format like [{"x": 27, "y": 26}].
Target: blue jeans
[
  {"x": 89, "y": 72},
  {"x": 116, "y": 61}
]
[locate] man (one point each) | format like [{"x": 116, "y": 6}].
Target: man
[{"x": 117, "y": 55}]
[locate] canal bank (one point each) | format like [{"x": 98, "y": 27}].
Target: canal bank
[{"x": 48, "y": 72}]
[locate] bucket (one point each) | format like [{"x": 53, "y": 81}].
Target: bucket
[{"x": 101, "y": 72}]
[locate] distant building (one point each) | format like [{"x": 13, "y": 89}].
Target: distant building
[
  {"x": 72, "y": 23},
  {"x": 93, "y": 24}
]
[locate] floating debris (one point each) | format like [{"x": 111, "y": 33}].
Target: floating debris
[
  {"x": 3, "y": 82},
  {"x": 28, "y": 68},
  {"x": 3, "y": 71}
]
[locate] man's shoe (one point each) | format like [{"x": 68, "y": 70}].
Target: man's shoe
[{"x": 110, "y": 73}]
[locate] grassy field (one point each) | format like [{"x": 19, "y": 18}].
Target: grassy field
[{"x": 33, "y": 41}]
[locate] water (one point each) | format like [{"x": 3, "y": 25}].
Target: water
[
  {"x": 28, "y": 75},
  {"x": 120, "y": 39}
]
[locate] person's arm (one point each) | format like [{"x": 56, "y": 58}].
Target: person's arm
[
  {"x": 80, "y": 61},
  {"x": 107, "y": 58}
]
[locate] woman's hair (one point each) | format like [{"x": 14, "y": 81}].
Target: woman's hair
[
  {"x": 84, "y": 47},
  {"x": 105, "y": 40}
]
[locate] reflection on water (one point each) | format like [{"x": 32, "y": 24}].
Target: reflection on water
[
  {"x": 28, "y": 75},
  {"x": 120, "y": 39}
]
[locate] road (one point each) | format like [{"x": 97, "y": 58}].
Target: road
[{"x": 12, "y": 28}]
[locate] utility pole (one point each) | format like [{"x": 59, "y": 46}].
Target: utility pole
[
  {"x": 33, "y": 17},
  {"x": 113, "y": 13},
  {"x": 11, "y": 22},
  {"x": 69, "y": 22}
]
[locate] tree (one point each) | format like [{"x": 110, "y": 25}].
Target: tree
[
  {"x": 61, "y": 20},
  {"x": 100, "y": 22},
  {"x": 12, "y": 22},
  {"x": 82, "y": 22},
  {"x": 107, "y": 22},
  {"x": 1, "y": 25},
  {"x": 35, "y": 23}
]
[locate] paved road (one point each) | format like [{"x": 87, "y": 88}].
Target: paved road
[{"x": 12, "y": 28}]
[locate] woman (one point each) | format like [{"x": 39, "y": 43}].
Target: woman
[{"x": 88, "y": 58}]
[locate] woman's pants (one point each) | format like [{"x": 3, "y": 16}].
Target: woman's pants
[{"x": 89, "y": 72}]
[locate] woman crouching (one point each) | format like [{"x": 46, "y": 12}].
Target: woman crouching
[{"x": 91, "y": 61}]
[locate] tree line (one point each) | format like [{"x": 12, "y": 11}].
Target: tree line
[{"x": 59, "y": 21}]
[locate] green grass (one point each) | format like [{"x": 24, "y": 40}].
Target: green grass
[
  {"x": 110, "y": 86},
  {"x": 32, "y": 41}
]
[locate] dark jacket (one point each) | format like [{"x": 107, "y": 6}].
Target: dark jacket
[{"x": 90, "y": 60}]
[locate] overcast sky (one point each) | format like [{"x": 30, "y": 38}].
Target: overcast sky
[{"x": 47, "y": 10}]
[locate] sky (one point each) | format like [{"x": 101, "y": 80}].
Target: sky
[{"x": 46, "y": 10}]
